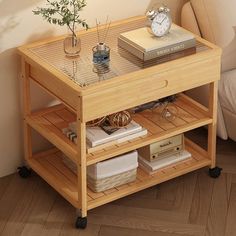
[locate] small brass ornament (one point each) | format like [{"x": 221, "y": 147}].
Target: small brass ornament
[
  {"x": 120, "y": 119},
  {"x": 96, "y": 122}
]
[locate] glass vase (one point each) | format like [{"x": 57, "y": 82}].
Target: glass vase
[{"x": 72, "y": 46}]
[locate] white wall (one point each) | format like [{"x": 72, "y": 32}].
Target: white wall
[{"x": 19, "y": 26}]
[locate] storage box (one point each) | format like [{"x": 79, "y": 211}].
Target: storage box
[
  {"x": 163, "y": 148},
  {"x": 110, "y": 173},
  {"x": 113, "y": 172}
]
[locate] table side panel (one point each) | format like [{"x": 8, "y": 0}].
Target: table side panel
[
  {"x": 56, "y": 87},
  {"x": 150, "y": 86}
]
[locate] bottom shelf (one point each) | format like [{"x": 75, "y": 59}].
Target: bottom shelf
[{"x": 49, "y": 165}]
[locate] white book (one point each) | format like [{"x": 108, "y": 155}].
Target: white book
[
  {"x": 146, "y": 46},
  {"x": 158, "y": 164},
  {"x": 97, "y": 136},
  {"x": 73, "y": 137},
  {"x": 143, "y": 40},
  {"x": 140, "y": 133}
]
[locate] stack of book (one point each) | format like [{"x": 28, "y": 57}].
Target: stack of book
[
  {"x": 148, "y": 48},
  {"x": 152, "y": 167},
  {"x": 100, "y": 137}
]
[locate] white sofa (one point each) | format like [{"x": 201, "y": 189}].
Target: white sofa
[{"x": 215, "y": 20}]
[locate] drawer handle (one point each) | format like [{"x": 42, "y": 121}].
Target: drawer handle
[{"x": 162, "y": 84}]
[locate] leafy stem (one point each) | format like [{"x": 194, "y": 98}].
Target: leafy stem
[{"x": 63, "y": 12}]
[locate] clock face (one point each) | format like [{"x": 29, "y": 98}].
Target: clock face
[{"x": 161, "y": 24}]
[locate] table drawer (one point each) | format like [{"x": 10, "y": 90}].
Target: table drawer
[{"x": 149, "y": 86}]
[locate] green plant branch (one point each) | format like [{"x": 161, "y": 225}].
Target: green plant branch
[
  {"x": 74, "y": 16},
  {"x": 63, "y": 12}
]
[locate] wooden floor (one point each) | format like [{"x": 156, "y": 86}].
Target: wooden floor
[{"x": 194, "y": 204}]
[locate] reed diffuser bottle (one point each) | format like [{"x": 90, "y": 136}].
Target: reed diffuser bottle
[{"x": 101, "y": 52}]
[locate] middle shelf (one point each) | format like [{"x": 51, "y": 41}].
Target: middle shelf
[{"x": 50, "y": 121}]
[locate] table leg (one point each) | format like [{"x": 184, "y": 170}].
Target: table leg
[
  {"x": 81, "y": 161},
  {"x": 213, "y": 102}
]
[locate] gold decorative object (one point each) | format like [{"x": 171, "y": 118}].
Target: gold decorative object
[
  {"x": 120, "y": 119},
  {"x": 96, "y": 122}
]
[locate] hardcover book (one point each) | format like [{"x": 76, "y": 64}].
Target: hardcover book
[
  {"x": 73, "y": 137},
  {"x": 152, "y": 167},
  {"x": 129, "y": 137},
  {"x": 146, "y": 46},
  {"x": 158, "y": 60},
  {"x": 97, "y": 135}
]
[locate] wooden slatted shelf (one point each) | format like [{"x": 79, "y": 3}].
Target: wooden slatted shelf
[
  {"x": 52, "y": 168},
  {"x": 63, "y": 180},
  {"x": 51, "y": 121}
]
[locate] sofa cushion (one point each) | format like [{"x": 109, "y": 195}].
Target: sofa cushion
[
  {"x": 217, "y": 23},
  {"x": 227, "y": 90},
  {"x": 188, "y": 19},
  {"x": 230, "y": 117}
]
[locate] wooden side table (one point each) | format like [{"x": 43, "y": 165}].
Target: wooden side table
[{"x": 86, "y": 95}]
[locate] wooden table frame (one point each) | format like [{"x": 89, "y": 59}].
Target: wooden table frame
[{"x": 101, "y": 99}]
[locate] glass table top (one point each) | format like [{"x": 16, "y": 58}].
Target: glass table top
[{"x": 82, "y": 70}]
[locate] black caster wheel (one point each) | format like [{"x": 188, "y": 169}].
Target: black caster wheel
[
  {"x": 215, "y": 172},
  {"x": 24, "y": 172},
  {"x": 81, "y": 223}
]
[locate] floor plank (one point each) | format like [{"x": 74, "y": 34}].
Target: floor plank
[
  {"x": 15, "y": 192},
  {"x": 147, "y": 224},
  {"x": 118, "y": 231},
  {"x": 44, "y": 198},
  {"x": 19, "y": 205},
  {"x": 4, "y": 183},
  {"x": 140, "y": 213},
  {"x": 178, "y": 193},
  {"x": 56, "y": 218},
  {"x": 218, "y": 209},
  {"x": 201, "y": 199},
  {"x": 230, "y": 223},
  {"x": 228, "y": 161},
  {"x": 234, "y": 179}
]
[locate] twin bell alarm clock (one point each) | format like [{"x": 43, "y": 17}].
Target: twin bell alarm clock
[{"x": 159, "y": 21}]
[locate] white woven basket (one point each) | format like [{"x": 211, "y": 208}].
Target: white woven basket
[
  {"x": 99, "y": 185},
  {"x": 111, "y": 182}
]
